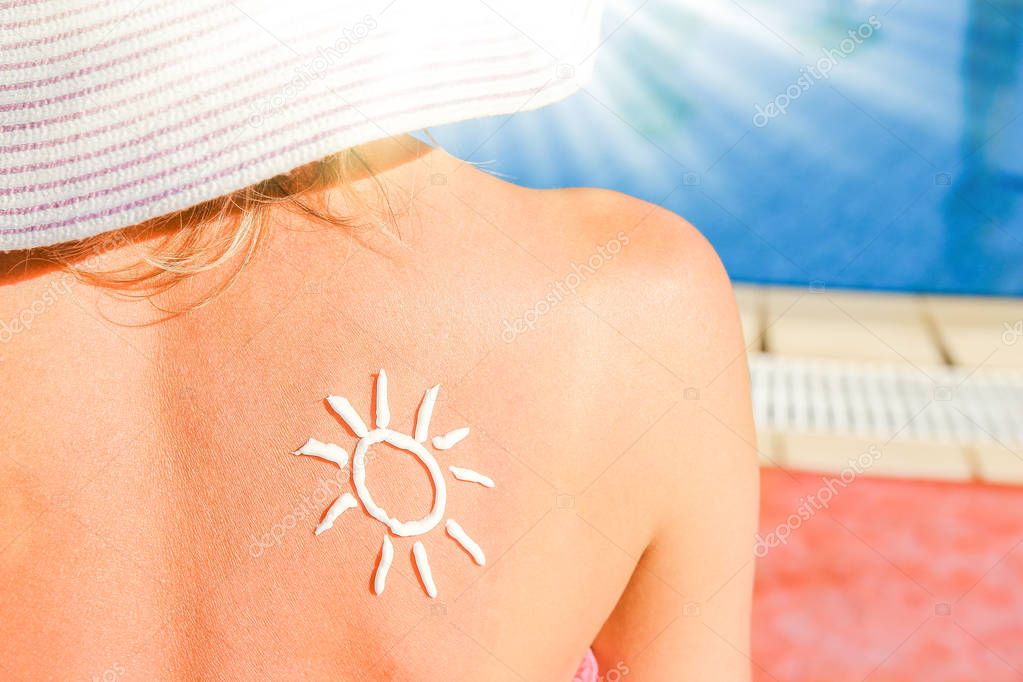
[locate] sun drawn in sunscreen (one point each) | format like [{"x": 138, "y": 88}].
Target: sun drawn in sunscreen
[{"x": 416, "y": 446}]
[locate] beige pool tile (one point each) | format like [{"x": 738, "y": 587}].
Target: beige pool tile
[
  {"x": 750, "y": 301},
  {"x": 749, "y": 296},
  {"x": 768, "y": 452},
  {"x": 841, "y": 338},
  {"x": 859, "y": 304},
  {"x": 898, "y": 459},
  {"x": 976, "y": 329},
  {"x": 973, "y": 309},
  {"x": 848, "y": 325},
  {"x": 994, "y": 344},
  {"x": 752, "y": 333},
  {"x": 998, "y": 463},
  {"x": 784, "y": 300}
]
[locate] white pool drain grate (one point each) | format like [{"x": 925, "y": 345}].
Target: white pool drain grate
[{"x": 864, "y": 400}]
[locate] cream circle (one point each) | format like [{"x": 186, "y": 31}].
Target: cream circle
[{"x": 409, "y": 444}]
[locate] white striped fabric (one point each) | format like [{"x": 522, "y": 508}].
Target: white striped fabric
[{"x": 115, "y": 111}]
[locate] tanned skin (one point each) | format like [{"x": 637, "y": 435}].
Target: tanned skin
[{"x": 154, "y": 525}]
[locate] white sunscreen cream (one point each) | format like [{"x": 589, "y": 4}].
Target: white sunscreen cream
[
  {"x": 383, "y": 410},
  {"x": 423, "y": 566},
  {"x": 345, "y": 410},
  {"x": 462, "y": 538},
  {"x": 450, "y": 439},
  {"x": 414, "y": 445},
  {"x": 340, "y": 506},
  {"x": 402, "y": 442},
  {"x": 328, "y": 451},
  {"x": 426, "y": 413},
  {"x": 471, "y": 476},
  {"x": 386, "y": 557}
]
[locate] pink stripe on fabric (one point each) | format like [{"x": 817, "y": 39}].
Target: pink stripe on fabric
[
  {"x": 95, "y": 68},
  {"x": 69, "y": 96},
  {"x": 184, "y": 124},
  {"x": 58, "y": 37},
  {"x": 138, "y": 203},
  {"x": 135, "y": 76},
  {"x": 111, "y": 148},
  {"x": 120, "y": 103},
  {"x": 156, "y": 133},
  {"x": 21, "y": 3},
  {"x": 113, "y": 41},
  {"x": 70, "y": 201},
  {"x": 28, "y": 146},
  {"x": 53, "y": 17},
  {"x": 182, "y": 102}
]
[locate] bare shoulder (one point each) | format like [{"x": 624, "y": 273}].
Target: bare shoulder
[
  {"x": 625, "y": 307},
  {"x": 645, "y": 329},
  {"x": 687, "y": 482},
  {"x": 659, "y": 278}
]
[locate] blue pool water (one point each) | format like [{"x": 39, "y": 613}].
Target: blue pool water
[{"x": 897, "y": 162}]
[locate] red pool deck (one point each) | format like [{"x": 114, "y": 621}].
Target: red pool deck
[{"x": 894, "y": 580}]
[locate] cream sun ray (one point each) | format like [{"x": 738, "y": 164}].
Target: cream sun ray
[
  {"x": 423, "y": 566},
  {"x": 344, "y": 409},
  {"x": 471, "y": 476},
  {"x": 450, "y": 439},
  {"x": 425, "y": 413},
  {"x": 340, "y": 506},
  {"x": 383, "y": 410},
  {"x": 462, "y": 538},
  {"x": 386, "y": 557},
  {"x": 328, "y": 451}
]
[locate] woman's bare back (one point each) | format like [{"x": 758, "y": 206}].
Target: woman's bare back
[{"x": 155, "y": 524}]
